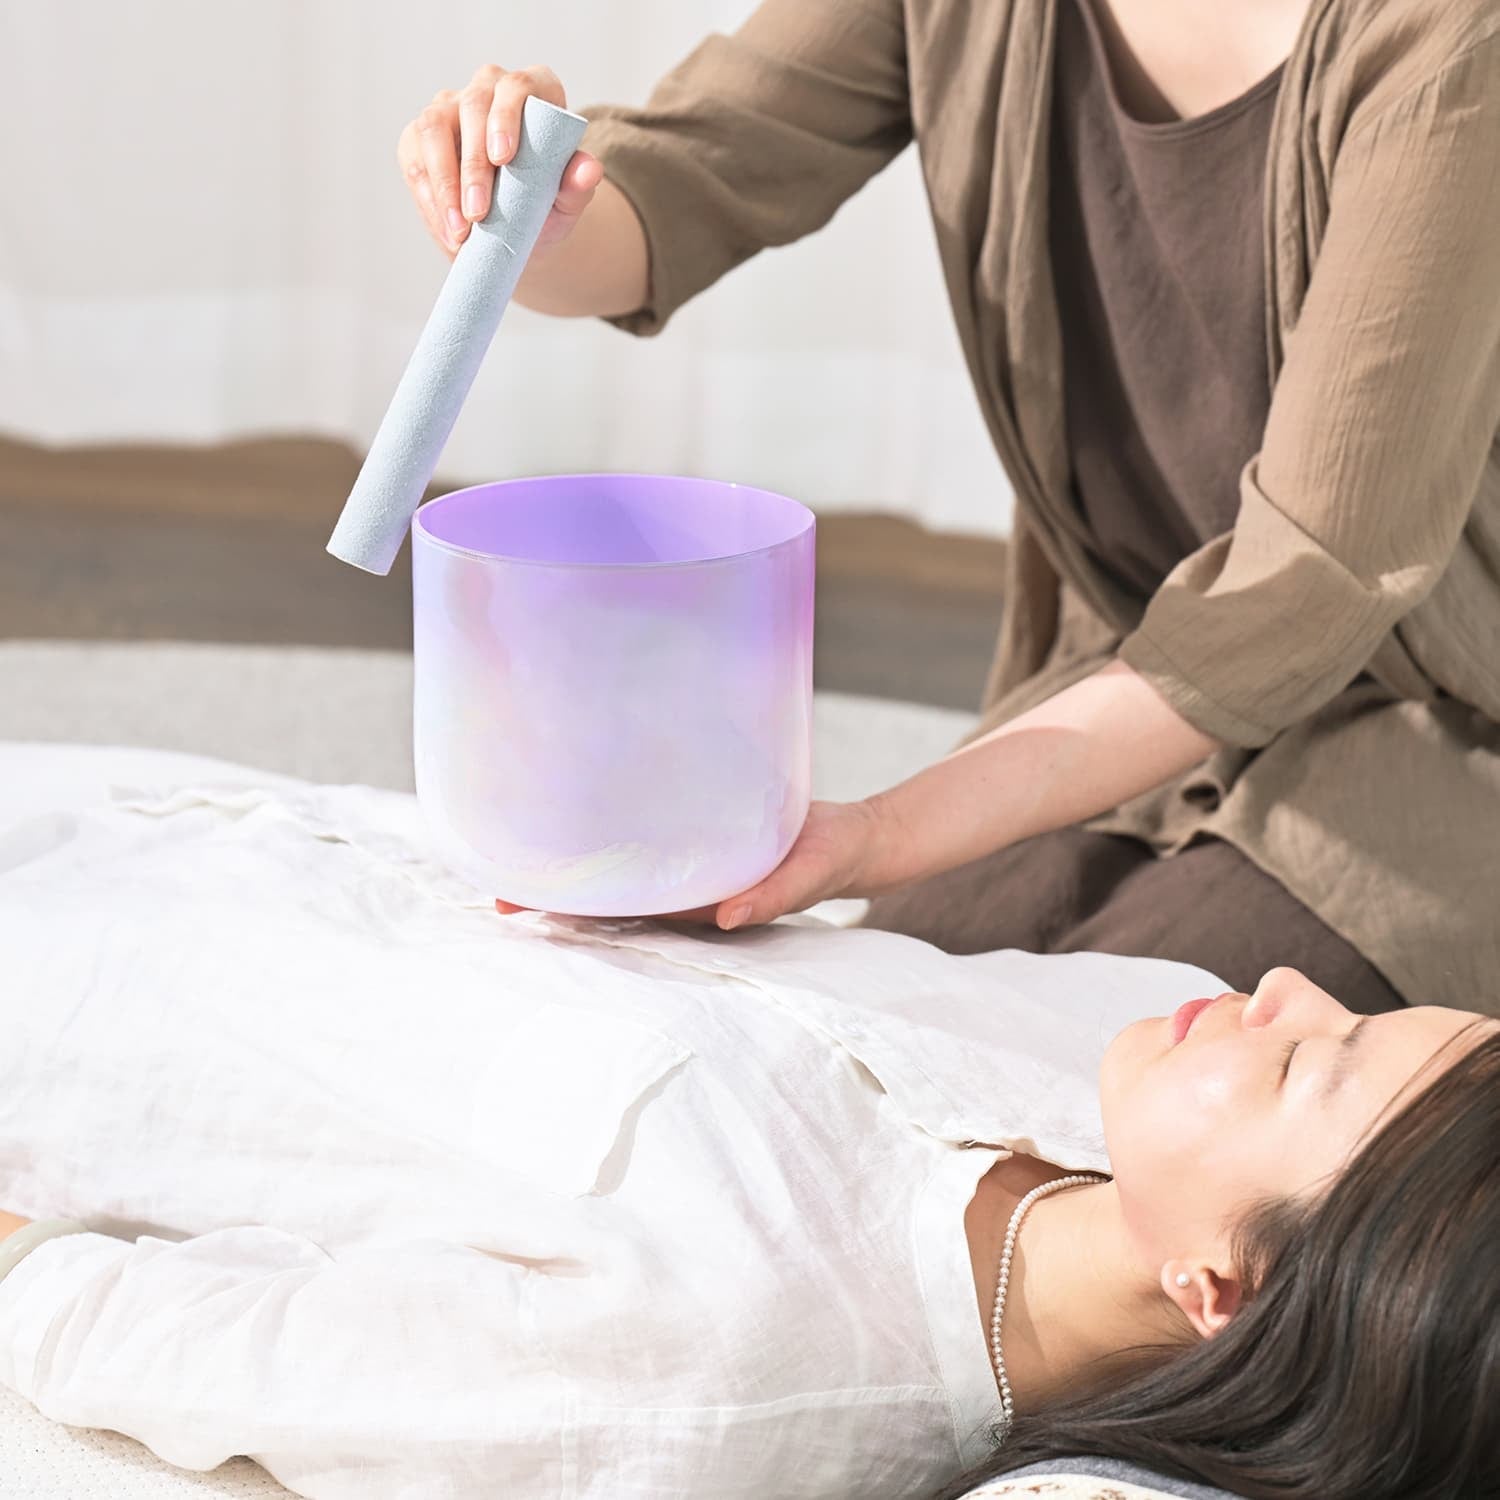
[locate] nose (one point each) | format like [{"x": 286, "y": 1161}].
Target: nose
[{"x": 1286, "y": 993}]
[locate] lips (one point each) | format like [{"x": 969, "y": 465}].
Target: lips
[{"x": 1184, "y": 1016}]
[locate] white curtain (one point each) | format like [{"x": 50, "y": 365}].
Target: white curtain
[{"x": 203, "y": 234}]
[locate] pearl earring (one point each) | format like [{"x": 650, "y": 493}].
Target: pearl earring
[{"x": 1183, "y": 1279}]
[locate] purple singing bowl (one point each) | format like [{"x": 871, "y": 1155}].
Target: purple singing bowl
[{"x": 613, "y": 709}]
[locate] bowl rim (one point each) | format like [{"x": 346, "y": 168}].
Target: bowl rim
[{"x": 429, "y": 538}]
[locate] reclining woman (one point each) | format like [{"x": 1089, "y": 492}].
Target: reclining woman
[{"x": 425, "y": 1204}]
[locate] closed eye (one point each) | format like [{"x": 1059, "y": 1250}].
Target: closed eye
[{"x": 1286, "y": 1057}]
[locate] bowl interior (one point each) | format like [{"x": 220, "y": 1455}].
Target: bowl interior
[{"x": 612, "y": 520}]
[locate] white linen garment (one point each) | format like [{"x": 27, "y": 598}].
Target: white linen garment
[{"x": 434, "y": 1203}]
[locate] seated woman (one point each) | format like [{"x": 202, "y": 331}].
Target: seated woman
[{"x": 428, "y": 1205}]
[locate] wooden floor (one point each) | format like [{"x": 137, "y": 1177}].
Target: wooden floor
[{"x": 225, "y": 543}]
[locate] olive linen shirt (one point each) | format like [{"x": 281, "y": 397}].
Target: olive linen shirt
[{"x": 1342, "y": 640}]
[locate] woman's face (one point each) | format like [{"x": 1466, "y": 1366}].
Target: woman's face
[{"x": 1242, "y": 1097}]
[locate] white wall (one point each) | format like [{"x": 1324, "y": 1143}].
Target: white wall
[{"x": 203, "y": 234}]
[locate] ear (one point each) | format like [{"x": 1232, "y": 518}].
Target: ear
[{"x": 1206, "y": 1296}]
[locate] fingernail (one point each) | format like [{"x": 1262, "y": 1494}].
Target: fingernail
[
  {"x": 474, "y": 200},
  {"x": 456, "y": 223},
  {"x": 738, "y": 915},
  {"x": 499, "y": 145}
]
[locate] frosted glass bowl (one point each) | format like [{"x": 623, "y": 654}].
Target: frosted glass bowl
[{"x": 613, "y": 711}]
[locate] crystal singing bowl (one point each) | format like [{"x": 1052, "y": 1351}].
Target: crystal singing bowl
[{"x": 613, "y": 687}]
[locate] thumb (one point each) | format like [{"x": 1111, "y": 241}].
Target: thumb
[
  {"x": 800, "y": 880},
  {"x": 772, "y": 898},
  {"x": 740, "y": 911}
]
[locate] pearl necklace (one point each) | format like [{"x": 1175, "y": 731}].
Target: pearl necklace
[{"x": 1007, "y": 1406}]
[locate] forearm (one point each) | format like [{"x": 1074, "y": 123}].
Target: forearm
[
  {"x": 1081, "y": 752},
  {"x": 602, "y": 269},
  {"x": 10, "y": 1222}
]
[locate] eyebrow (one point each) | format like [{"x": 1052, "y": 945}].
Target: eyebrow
[{"x": 1343, "y": 1062}]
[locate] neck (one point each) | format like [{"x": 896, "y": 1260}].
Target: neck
[{"x": 1076, "y": 1293}]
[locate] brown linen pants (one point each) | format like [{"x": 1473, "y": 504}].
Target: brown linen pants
[{"x": 1074, "y": 890}]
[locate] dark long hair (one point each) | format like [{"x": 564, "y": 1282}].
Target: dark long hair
[{"x": 1366, "y": 1365}]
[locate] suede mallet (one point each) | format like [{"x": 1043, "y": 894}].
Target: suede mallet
[{"x": 452, "y": 347}]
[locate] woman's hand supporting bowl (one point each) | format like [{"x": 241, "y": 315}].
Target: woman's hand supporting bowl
[
  {"x": 1086, "y": 749},
  {"x": 839, "y": 853}
]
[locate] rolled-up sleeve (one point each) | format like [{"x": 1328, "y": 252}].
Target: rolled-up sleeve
[
  {"x": 755, "y": 139},
  {"x": 1382, "y": 419},
  {"x": 391, "y": 1370}
]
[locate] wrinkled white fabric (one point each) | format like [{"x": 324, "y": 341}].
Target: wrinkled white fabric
[{"x": 432, "y": 1203}]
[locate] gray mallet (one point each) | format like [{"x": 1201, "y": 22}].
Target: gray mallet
[{"x": 452, "y": 347}]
